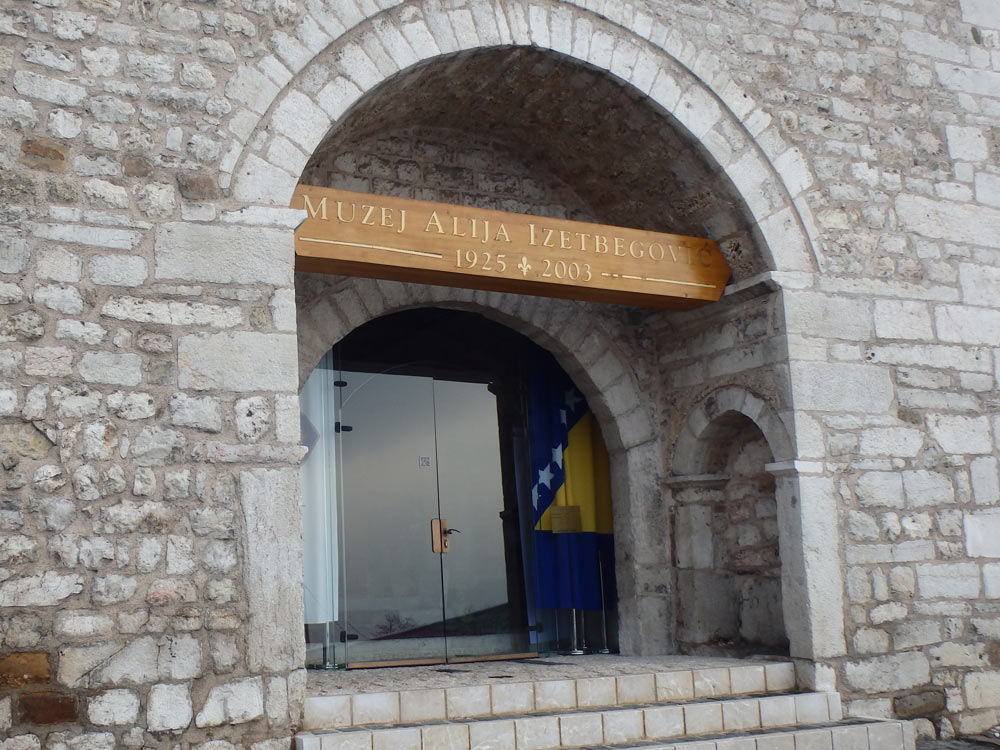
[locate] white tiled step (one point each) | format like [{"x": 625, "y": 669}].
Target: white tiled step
[
  {"x": 872, "y": 735},
  {"x": 877, "y": 735},
  {"x": 507, "y": 698},
  {"x": 611, "y": 726},
  {"x": 881, "y": 735}
]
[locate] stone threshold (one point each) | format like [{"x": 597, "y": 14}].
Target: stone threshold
[
  {"x": 350, "y": 681},
  {"x": 523, "y": 691}
]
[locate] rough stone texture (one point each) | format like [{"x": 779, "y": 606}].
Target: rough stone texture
[
  {"x": 147, "y": 153},
  {"x": 269, "y": 500}
]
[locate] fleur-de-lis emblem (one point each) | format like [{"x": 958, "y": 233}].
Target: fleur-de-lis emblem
[{"x": 524, "y": 266}]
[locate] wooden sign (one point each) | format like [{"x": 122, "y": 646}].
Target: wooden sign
[{"x": 356, "y": 234}]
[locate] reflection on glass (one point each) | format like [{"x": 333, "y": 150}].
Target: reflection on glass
[
  {"x": 471, "y": 497},
  {"x": 319, "y": 514},
  {"x": 393, "y": 578},
  {"x": 389, "y": 453}
]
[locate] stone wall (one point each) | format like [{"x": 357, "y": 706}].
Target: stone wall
[{"x": 148, "y": 563}]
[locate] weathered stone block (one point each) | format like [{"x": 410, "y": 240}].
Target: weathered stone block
[
  {"x": 233, "y": 703},
  {"x": 985, "y": 480},
  {"x": 982, "y": 689},
  {"x": 253, "y": 417},
  {"x": 82, "y": 624},
  {"x": 828, "y": 315},
  {"x": 117, "y": 270},
  {"x": 197, "y": 186},
  {"x": 47, "y": 89},
  {"x": 927, "y": 488},
  {"x": 875, "y": 488},
  {"x": 948, "y": 580},
  {"x": 948, "y": 220},
  {"x": 47, "y": 708},
  {"x": 24, "y": 668},
  {"x": 24, "y": 440},
  {"x": 111, "y": 368},
  {"x": 43, "y": 153},
  {"x": 40, "y": 590},
  {"x": 273, "y": 569},
  {"x": 902, "y": 319},
  {"x": 156, "y": 446},
  {"x": 982, "y": 534},
  {"x": 171, "y": 591},
  {"x": 114, "y": 707},
  {"x": 48, "y": 361},
  {"x": 238, "y": 255},
  {"x": 924, "y": 703},
  {"x": 957, "y": 433},
  {"x": 823, "y": 386},
  {"x": 168, "y": 707},
  {"x": 240, "y": 361},
  {"x": 885, "y": 673}
]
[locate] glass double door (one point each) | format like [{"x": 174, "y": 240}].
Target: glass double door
[{"x": 421, "y": 566}]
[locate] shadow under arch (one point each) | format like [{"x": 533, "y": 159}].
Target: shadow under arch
[{"x": 341, "y": 68}]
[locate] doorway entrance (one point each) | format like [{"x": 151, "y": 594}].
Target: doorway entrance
[{"x": 423, "y": 539}]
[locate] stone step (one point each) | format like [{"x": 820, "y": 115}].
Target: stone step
[
  {"x": 858, "y": 735},
  {"x": 617, "y": 725},
  {"x": 545, "y": 696}
]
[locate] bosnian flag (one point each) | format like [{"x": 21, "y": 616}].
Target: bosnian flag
[{"x": 569, "y": 470}]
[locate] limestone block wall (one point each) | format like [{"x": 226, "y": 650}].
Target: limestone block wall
[
  {"x": 891, "y": 342},
  {"x": 148, "y": 421},
  {"x": 149, "y": 571}
]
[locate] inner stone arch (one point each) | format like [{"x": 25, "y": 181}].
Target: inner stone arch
[
  {"x": 424, "y": 370},
  {"x": 582, "y": 338}
]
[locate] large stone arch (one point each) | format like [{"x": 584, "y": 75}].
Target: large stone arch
[
  {"x": 288, "y": 113},
  {"x": 331, "y": 307},
  {"x": 294, "y": 97}
]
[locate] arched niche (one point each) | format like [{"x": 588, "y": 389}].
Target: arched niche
[{"x": 713, "y": 438}]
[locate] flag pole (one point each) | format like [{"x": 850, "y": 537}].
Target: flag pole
[
  {"x": 604, "y": 612},
  {"x": 576, "y": 647}
]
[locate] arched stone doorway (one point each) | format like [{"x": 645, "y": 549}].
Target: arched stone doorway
[
  {"x": 331, "y": 307},
  {"x": 752, "y": 204},
  {"x": 477, "y": 402}
]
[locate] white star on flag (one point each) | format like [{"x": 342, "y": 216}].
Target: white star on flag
[
  {"x": 557, "y": 454},
  {"x": 545, "y": 477},
  {"x": 562, "y": 416},
  {"x": 534, "y": 496}
]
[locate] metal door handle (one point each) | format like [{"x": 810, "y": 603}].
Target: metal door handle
[{"x": 452, "y": 531}]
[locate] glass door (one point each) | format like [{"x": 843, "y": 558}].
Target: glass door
[
  {"x": 411, "y": 556},
  {"x": 389, "y": 485},
  {"x": 481, "y": 569}
]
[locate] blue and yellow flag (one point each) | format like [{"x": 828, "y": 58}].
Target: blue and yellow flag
[{"x": 571, "y": 489}]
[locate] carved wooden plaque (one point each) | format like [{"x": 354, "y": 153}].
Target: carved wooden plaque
[{"x": 356, "y": 234}]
